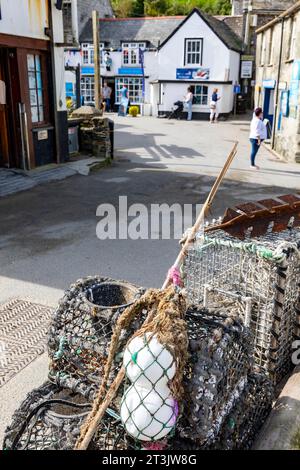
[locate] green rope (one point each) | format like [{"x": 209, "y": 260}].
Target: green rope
[{"x": 253, "y": 248}]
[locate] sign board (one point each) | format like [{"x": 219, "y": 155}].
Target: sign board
[
  {"x": 200, "y": 73},
  {"x": 284, "y": 103},
  {"x": 130, "y": 71},
  {"x": 42, "y": 135},
  {"x": 237, "y": 89},
  {"x": 247, "y": 69},
  {"x": 282, "y": 85},
  {"x": 248, "y": 57},
  {"x": 269, "y": 83},
  {"x": 73, "y": 58},
  {"x": 294, "y": 90}
]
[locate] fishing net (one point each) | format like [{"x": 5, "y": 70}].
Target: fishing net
[
  {"x": 82, "y": 328},
  {"x": 242, "y": 424},
  {"x": 258, "y": 279},
  {"x": 216, "y": 373},
  {"x": 50, "y": 419}
]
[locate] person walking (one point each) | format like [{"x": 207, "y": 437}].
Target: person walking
[
  {"x": 106, "y": 95},
  {"x": 124, "y": 101},
  {"x": 189, "y": 103},
  {"x": 214, "y": 114},
  {"x": 258, "y": 133}
]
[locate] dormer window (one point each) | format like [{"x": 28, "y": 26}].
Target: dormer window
[
  {"x": 130, "y": 53},
  {"x": 193, "y": 52}
]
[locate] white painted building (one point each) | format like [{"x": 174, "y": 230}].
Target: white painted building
[{"x": 158, "y": 58}]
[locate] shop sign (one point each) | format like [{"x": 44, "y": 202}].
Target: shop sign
[
  {"x": 247, "y": 68},
  {"x": 270, "y": 83},
  {"x": 236, "y": 89},
  {"x": 248, "y": 57},
  {"x": 130, "y": 71},
  {"x": 42, "y": 135},
  {"x": 73, "y": 58},
  {"x": 199, "y": 73}
]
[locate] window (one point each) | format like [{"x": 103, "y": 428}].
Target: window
[
  {"x": 134, "y": 86},
  {"x": 263, "y": 49},
  {"x": 36, "y": 90},
  {"x": 201, "y": 95},
  {"x": 130, "y": 52},
  {"x": 88, "y": 53},
  {"x": 292, "y": 39},
  {"x": 67, "y": 21},
  {"x": 193, "y": 52},
  {"x": 87, "y": 88},
  {"x": 270, "y": 51}
]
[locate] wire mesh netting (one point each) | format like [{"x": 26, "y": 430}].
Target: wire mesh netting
[
  {"x": 216, "y": 375},
  {"x": 257, "y": 279},
  {"x": 81, "y": 330},
  {"x": 50, "y": 419}
]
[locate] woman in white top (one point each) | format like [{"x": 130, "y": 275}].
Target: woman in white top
[
  {"x": 258, "y": 133},
  {"x": 189, "y": 102}
]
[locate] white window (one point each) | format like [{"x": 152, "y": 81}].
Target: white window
[
  {"x": 134, "y": 86},
  {"x": 263, "y": 49},
  {"x": 88, "y": 53},
  {"x": 87, "y": 88},
  {"x": 201, "y": 95},
  {"x": 193, "y": 52},
  {"x": 131, "y": 53},
  {"x": 270, "y": 52},
  {"x": 292, "y": 39}
]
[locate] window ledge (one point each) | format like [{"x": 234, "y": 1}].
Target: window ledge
[
  {"x": 289, "y": 61},
  {"x": 270, "y": 65}
]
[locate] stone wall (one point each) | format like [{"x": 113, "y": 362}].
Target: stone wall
[{"x": 287, "y": 138}]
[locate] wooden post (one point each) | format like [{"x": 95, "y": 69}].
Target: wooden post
[{"x": 96, "y": 39}]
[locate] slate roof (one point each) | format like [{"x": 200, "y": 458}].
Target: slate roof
[
  {"x": 114, "y": 31},
  {"x": 156, "y": 31}
]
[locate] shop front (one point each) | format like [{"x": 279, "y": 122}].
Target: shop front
[{"x": 27, "y": 137}]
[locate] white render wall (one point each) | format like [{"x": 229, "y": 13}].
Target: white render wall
[
  {"x": 222, "y": 63},
  {"x": 26, "y": 18}
]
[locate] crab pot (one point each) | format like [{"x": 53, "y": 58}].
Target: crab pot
[
  {"x": 245, "y": 420},
  {"x": 80, "y": 332},
  {"x": 257, "y": 279},
  {"x": 50, "y": 418},
  {"x": 216, "y": 374}
]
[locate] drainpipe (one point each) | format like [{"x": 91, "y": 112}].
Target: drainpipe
[
  {"x": 55, "y": 104},
  {"x": 277, "y": 86}
]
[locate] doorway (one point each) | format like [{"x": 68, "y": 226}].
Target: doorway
[
  {"x": 268, "y": 108},
  {"x": 10, "y": 132}
]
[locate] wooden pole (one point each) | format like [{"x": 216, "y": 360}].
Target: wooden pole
[
  {"x": 203, "y": 212},
  {"x": 96, "y": 39},
  {"x": 83, "y": 445},
  {"x": 100, "y": 413}
]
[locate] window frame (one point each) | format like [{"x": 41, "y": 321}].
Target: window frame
[
  {"x": 91, "y": 88},
  {"x": 263, "y": 47},
  {"x": 88, "y": 48},
  {"x": 203, "y": 96},
  {"x": 186, "y": 52},
  {"x": 132, "y": 48},
  {"x": 271, "y": 48},
  {"x": 136, "y": 89},
  {"x": 44, "y": 88},
  {"x": 292, "y": 39}
]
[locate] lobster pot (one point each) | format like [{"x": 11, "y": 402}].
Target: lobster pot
[
  {"x": 216, "y": 374},
  {"x": 81, "y": 329},
  {"x": 245, "y": 420},
  {"x": 257, "y": 279},
  {"x": 50, "y": 419}
]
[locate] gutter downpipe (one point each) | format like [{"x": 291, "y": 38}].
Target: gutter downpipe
[
  {"x": 277, "y": 87},
  {"x": 56, "y": 124}
]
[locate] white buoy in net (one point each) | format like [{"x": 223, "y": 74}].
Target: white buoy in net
[{"x": 148, "y": 410}]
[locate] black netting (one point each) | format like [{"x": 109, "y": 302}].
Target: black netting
[
  {"x": 216, "y": 375},
  {"x": 81, "y": 330},
  {"x": 50, "y": 419}
]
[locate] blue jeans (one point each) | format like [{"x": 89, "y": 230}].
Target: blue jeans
[
  {"x": 190, "y": 110},
  {"x": 254, "y": 149},
  {"x": 107, "y": 102}
]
